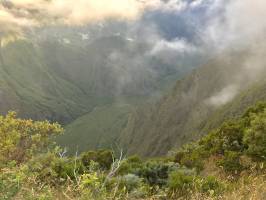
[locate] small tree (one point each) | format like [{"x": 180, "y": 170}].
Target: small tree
[
  {"x": 231, "y": 162},
  {"x": 255, "y": 136},
  {"x": 103, "y": 157},
  {"x": 21, "y": 139}
]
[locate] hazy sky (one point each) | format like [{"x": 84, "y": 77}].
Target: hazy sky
[
  {"x": 171, "y": 27},
  {"x": 27, "y": 13}
]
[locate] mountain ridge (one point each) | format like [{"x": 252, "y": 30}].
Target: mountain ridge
[{"x": 187, "y": 113}]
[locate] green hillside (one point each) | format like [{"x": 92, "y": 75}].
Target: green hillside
[
  {"x": 234, "y": 109},
  {"x": 30, "y": 87},
  {"x": 186, "y": 113},
  {"x": 98, "y": 129},
  {"x": 60, "y": 82},
  {"x": 102, "y": 127}
]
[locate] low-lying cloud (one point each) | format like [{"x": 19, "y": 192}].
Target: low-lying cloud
[
  {"x": 240, "y": 23},
  {"x": 228, "y": 24},
  {"x": 241, "y": 27},
  {"x": 177, "y": 45},
  {"x": 224, "y": 96}
]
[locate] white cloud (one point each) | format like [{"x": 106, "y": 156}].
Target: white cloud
[
  {"x": 196, "y": 3},
  {"x": 169, "y": 5},
  {"x": 241, "y": 22},
  {"x": 173, "y": 5},
  {"x": 130, "y": 39},
  {"x": 17, "y": 14},
  {"x": 241, "y": 27},
  {"x": 85, "y": 36},
  {"x": 176, "y": 45},
  {"x": 224, "y": 96},
  {"x": 66, "y": 41}
]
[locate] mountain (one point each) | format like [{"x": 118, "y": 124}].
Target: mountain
[
  {"x": 49, "y": 80},
  {"x": 30, "y": 87},
  {"x": 199, "y": 102},
  {"x": 98, "y": 129},
  {"x": 64, "y": 81},
  {"x": 67, "y": 78}
]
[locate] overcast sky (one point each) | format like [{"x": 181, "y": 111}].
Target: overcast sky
[{"x": 169, "y": 28}]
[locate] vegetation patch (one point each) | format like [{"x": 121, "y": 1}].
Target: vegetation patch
[{"x": 33, "y": 167}]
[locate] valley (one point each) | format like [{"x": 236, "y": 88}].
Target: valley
[
  {"x": 132, "y": 100},
  {"x": 49, "y": 80}
]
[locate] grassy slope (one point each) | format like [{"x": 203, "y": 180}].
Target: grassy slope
[
  {"x": 97, "y": 129},
  {"x": 235, "y": 108},
  {"x": 183, "y": 114},
  {"x": 30, "y": 87},
  {"x": 102, "y": 128}
]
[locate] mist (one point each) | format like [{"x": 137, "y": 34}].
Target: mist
[
  {"x": 174, "y": 35},
  {"x": 240, "y": 28}
]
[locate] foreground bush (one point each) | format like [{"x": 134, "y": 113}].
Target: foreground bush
[
  {"x": 231, "y": 162},
  {"x": 180, "y": 183},
  {"x": 255, "y": 136},
  {"x": 103, "y": 157},
  {"x": 32, "y": 167},
  {"x": 21, "y": 139}
]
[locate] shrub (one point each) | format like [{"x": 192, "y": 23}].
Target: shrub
[
  {"x": 103, "y": 157},
  {"x": 257, "y": 109},
  {"x": 9, "y": 184},
  {"x": 21, "y": 139},
  {"x": 131, "y": 165},
  {"x": 130, "y": 182},
  {"x": 91, "y": 186},
  {"x": 211, "y": 186},
  {"x": 179, "y": 155},
  {"x": 255, "y": 137},
  {"x": 52, "y": 169},
  {"x": 229, "y": 137},
  {"x": 193, "y": 160},
  {"x": 156, "y": 172},
  {"x": 191, "y": 156},
  {"x": 231, "y": 162},
  {"x": 179, "y": 183},
  {"x": 68, "y": 168}
]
